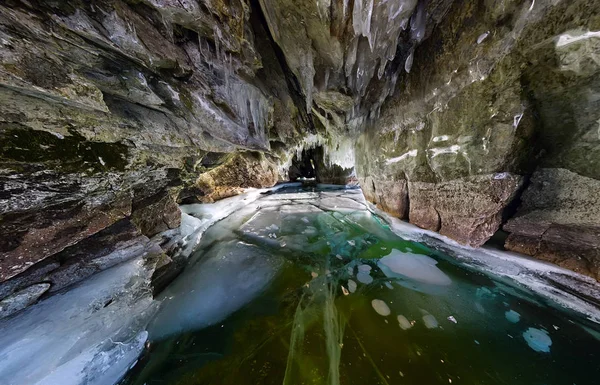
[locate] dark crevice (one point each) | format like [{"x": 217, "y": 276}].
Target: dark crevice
[{"x": 292, "y": 82}]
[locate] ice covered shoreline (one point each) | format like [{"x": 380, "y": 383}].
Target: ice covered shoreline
[
  {"x": 94, "y": 332},
  {"x": 577, "y": 292}
]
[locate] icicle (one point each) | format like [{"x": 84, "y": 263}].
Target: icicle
[
  {"x": 351, "y": 56},
  {"x": 409, "y": 61},
  {"x": 418, "y": 23},
  {"x": 344, "y": 9},
  {"x": 381, "y": 69},
  {"x": 361, "y": 19}
]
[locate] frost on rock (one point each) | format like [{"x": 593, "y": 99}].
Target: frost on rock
[{"x": 90, "y": 334}]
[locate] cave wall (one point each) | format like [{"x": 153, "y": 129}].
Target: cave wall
[
  {"x": 460, "y": 117},
  {"x": 112, "y": 112},
  {"x": 501, "y": 98}
]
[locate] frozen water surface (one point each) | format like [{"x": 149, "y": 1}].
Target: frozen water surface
[
  {"x": 338, "y": 293},
  {"x": 313, "y": 286}
]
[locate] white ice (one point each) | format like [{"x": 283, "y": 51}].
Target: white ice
[
  {"x": 230, "y": 276},
  {"x": 535, "y": 275},
  {"x": 90, "y": 334},
  {"x": 197, "y": 218},
  {"x": 364, "y": 268},
  {"x": 364, "y": 278},
  {"x": 430, "y": 321},
  {"x": 418, "y": 267},
  {"x": 351, "y": 286}
]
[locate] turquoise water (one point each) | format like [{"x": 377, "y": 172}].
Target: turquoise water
[{"x": 314, "y": 289}]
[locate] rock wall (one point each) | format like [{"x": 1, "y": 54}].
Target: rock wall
[
  {"x": 499, "y": 92},
  {"x": 114, "y": 111}
]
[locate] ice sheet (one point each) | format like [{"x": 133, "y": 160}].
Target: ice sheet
[
  {"x": 228, "y": 277},
  {"x": 90, "y": 334},
  {"x": 539, "y": 277}
]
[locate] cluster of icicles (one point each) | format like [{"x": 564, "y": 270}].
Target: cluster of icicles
[{"x": 377, "y": 27}]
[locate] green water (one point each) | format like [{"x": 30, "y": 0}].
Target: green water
[{"x": 304, "y": 327}]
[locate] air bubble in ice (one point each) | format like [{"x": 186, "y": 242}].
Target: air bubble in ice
[
  {"x": 430, "y": 321},
  {"x": 381, "y": 307},
  {"x": 351, "y": 286},
  {"x": 512, "y": 316},
  {"x": 538, "y": 340},
  {"x": 418, "y": 267},
  {"x": 364, "y": 278},
  {"x": 404, "y": 322},
  {"x": 364, "y": 268}
]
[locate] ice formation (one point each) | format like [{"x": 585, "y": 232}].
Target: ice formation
[
  {"x": 90, "y": 334},
  {"x": 538, "y": 340},
  {"x": 535, "y": 275},
  {"x": 377, "y": 26},
  {"x": 208, "y": 291},
  {"x": 417, "y": 267},
  {"x": 364, "y": 268},
  {"x": 227, "y": 273},
  {"x": 364, "y": 278}
]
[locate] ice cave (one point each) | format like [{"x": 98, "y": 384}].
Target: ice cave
[{"x": 294, "y": 192}]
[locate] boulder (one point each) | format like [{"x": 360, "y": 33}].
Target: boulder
[{"x": 559, "y": 221}]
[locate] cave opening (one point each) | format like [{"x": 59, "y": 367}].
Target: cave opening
[{"x": 304, "y": 165}]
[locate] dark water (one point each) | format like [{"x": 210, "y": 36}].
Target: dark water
[{"x": 285, "y": 314}]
